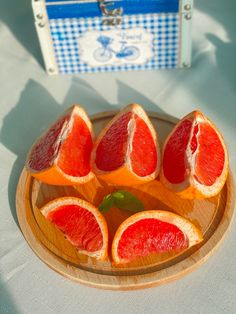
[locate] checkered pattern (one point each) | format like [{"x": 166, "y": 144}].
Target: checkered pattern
[{"x": 165, "y": 28}]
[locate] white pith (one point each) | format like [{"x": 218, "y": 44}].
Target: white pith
[
  {"x": 134, "y": 109},
  {"x": 131, "y": 131},
  {"x": 189, "y": 230},
  {"x": 67, "y": 126},
  {"x": 190, "y": 160},
  {"x": 53, "y": 205}
]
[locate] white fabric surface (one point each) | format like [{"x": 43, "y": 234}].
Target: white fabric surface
[{"x": 30, "y": 100}]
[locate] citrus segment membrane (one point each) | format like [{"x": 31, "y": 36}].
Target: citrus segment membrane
[
  {"x": 126, "y": 152},
  {"x": 153, "y": 232},
  {"x": 45, "y": 151},
  {"x": 69, "y": 141},
  {"x": 128, "y": 134},
  {"x": 144, "y": 155},
  {"x": 61, "y": 156},
  {"x": 76, "y": 150},
  {"x": 194, "y": 141},
  {"x": 79, "y": 225},
  {"x": 111, "y": 151},
  {"x": 174, "y": 160},
  {"x": 148, "y": 236},
  {"x": 194, "y": 148},
  {"x": 210, "y": 158}
]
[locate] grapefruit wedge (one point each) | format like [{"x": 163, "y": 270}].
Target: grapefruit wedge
[
  {"x": 61, "y": 156},
  {"x": 126, "y": 151},
  {"x": 195, "y": 158},
  {"x": 82, "y": 224},
  {"x": 151, "y": 232}
]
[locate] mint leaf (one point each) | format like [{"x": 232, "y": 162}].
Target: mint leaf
[
  {"x": 107, "y": 203},
  {"x": 126, "y": 200},
  {"x": 121, "y": 199},
  {"x": 120, "y": 195}
]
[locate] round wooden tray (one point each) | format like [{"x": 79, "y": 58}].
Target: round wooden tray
[{"x": 212, "y": 216}]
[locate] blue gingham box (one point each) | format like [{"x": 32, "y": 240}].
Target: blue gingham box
[{"x": 97, "y": 35}]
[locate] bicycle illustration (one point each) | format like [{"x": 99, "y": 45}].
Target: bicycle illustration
[{"x": 105, "y": 53}]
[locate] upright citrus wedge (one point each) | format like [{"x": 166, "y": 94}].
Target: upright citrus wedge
[
  {"x": 152, "y": 232},
  {"x": 61, "y": 156},
  {"x": 126, "y": 152},
  {"x": 195, "y": 159},
  {"x": 82, "y": 224}
]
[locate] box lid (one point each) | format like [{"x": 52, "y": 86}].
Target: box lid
[{"x": 91, "y": 8}]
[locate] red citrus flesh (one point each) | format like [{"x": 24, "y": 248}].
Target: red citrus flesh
[
  {"x": 110, "y": 153},
  {"x": 143, "y": 156},
  {"x": 174, "y": 155},
  {"x": 210, "y": 158},
  {"x": 150, "y": 235},
  {"x": 76, "y": 150},
  {"x": 79, "y": 225},
  {"x": 205, "y": 144},
  {"x": 43, "y": 154},
  {"x": 112, "y": 149}
]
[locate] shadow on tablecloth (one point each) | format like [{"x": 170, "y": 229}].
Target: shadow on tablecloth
[
  {"x": 18, "y": 18},
  {"x": 225, "y": 50},
  {"x": 212, "y": 78},
  {"x": 23, "y": 124},
  {"x": 7, "y": 304},
  {"x": 37, "y": 109},
  {"x": 34, "y": 112}
]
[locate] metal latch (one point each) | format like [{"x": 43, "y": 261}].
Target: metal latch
[{"x": 112, "y": 16}]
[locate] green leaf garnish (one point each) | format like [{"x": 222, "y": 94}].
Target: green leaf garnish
[
  {"x": 106, "y": 203},
  {"x": 122, "y": 200}
]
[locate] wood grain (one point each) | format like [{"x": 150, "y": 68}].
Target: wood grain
[{"x": 212, "y": 216}]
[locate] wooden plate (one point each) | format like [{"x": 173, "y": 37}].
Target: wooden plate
[{"x": 212, "y": 216}]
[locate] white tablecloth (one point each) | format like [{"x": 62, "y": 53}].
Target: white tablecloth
[{"x": 29, "y": 100}]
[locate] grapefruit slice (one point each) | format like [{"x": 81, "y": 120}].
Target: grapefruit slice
[
  {"x": 61, "y": 156},
  {"x": 150, "y": 232},
  {"x": 126, "y": 151},
  {"x": 82, "y": 224},
  {"x": 195, "y": 158}
]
